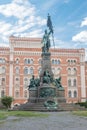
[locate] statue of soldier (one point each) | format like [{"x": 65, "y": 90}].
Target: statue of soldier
[
  {"x": 46, "y": 37},
  {"x": 46, "y": 42},
  {"x": 32, "y": 82}
]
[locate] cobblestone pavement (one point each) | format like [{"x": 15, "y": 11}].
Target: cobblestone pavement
[{"x": 55, "y": 121}]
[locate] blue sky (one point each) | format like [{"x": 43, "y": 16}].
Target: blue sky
[{"x": 27, "y": 18}]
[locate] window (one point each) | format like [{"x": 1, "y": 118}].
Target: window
[
  {"x": 32, "y": 61},
  {"x": 17, "y": 79},
  {"x": 68, "y": 61},
  {"x": 25, "y": 61},
  {"x": 17, "y": 94},
  {"x": 25, "y": 94},
  {"x": 74, "y": 82},
  {"x": 3, "y": 70},
  {"x": 58, "y": 70},
  {"x": 31, "y": 70},
  {"x": 58, "y": 61},
  {"x": 74, "y": 70},
  {"x": 69, "y": 82},
  {"x": 2, "y": 93},
  {"x": 69, "y": 70},
  {"x": 2, "y": 60},
  {"x": 26, "y": 82},
  {"x": 69, "y": 94},
  {"x": 26, "y": 70},
  {"x": 75, "y": 94},
  {"x": 53, "y": 62},
  {"x": 17, "y": 70},
  {"x": 40, "y": 61},
  {"x": 74, "y": 61},
  {"x": 28, "y": 61},
  {"x": 39, "y": 70},
  {"x": 17, "y": 61}
]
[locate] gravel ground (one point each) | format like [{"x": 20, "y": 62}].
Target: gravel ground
[{"x": 55, "y": 121}]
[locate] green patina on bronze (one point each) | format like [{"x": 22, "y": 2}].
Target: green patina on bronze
[
  {"x": 46, "y": 86},
  {"x": 51, "y": 105}
]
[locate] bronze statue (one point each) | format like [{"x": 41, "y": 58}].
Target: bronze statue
[
  {"x": 34, "y": 83},
  {"x": 46, "y": 42},
  {"x": 46, "y": 37}
]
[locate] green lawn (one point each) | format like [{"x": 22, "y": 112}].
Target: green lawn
[
  {"x": 5, "y": 114},
  {"x": 80, "y": 113}
]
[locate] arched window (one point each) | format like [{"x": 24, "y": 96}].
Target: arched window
[
  {"x": 3, "y": 81},
  {"x": 25, "y": 94},
  {"x": 4, "y": 61},
  {"x": 26, "y": 83},
  {"x": 2, "y": 93},
  {"x": 29, "y": 61},
  {"x": 17, "y": 94},
  {"x": 74, "y": 82},
  {"x": 17, "y": 61},
  {"x": 53, "y": 62},
  {"x": 69, "y": 70},
  {"x": 69, "y": 94},
  {"x": 25, "y": 61},
  {"x": 39, "y": 70},
  {"x": 1, "y": 60},
  {"x": 58, "y": 61},
  {"x": 40, "y": 61},
  {"x": 26, "y": 70},
  {"x": 74, "y": 61},
  {"x": 3, "y": 70},
  {"x": 17, "y": 70},
  {"x": 58, "y": 70},
  {"x": 75, "y": 94},
  {"x": 69, "y": 61},
  {"x": 69, "y": 82},
  {"x": 74, "y": 70},
  {"x": 31, "y": 70},
  {"x": 32, "y": 61},
  {"x": 17, "y": 79}
]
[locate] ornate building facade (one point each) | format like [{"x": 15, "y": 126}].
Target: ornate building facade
[{"x": 22, "y": 59}]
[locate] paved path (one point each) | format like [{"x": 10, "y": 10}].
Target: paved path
[{"x": 55, "y": 121}]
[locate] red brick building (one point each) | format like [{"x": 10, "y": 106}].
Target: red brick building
[{"x": 23, "y": 58}]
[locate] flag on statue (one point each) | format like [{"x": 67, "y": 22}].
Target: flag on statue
[{"x": 49, "y": 24}]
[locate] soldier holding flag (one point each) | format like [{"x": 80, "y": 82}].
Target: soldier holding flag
[{"x": 46, "y": 40}]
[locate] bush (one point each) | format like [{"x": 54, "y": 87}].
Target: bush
[
  {"x": 6, "y": 101},
  {"x": 83, "y": 104}
]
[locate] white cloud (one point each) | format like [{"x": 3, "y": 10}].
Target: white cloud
[
  {"x": 24, "y": 22},
  {"x": 80, "y": 37},
  {"x": 84, "y": 22},
  {"x": 17, "y": 10}
]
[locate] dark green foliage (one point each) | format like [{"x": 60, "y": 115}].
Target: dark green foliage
[
  {"x": 83, "y": 104},
  {"x": 6, "y": 101}
]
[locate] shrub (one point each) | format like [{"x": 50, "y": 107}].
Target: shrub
[
  {"x": 83, "y": 104},
  {"x": 6, "y": 101}
]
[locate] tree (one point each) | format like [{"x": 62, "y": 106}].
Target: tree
[{"x": 6, "y": 101}]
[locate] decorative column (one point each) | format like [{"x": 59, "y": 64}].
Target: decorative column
[
  {"x": 11, "y": 70},
  {"x": 83, "y": 87}
]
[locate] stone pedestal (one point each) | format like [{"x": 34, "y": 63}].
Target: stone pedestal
[{"x": 33, "y": 94}]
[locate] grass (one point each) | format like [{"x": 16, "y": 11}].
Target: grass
[
  {"x": 80, "y": 113},
  {"x": 5, "y": 114}
]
